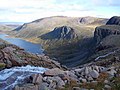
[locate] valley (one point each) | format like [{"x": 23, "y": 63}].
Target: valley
[{"x": 79, "y": 53}]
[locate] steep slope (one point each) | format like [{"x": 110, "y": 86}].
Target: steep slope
[
  {"x": 114, "y": 21},
  {"x": 107, "y": 39},
  {"x": 63, "y": 32},
  {"x": 106, "y": 30},
  {"x": 11, "y": 55}
]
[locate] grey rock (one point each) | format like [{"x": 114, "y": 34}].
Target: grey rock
[
  {"x": 83, "y": 80},
  {"x": 106, "y": 81},
  {"x": 94, "y": 74},
  {"x": 37, "y": 78},
  {"x": 90, "y": 78},
  {"x": 27, "y": 87},
  {"x": 76, "y": 88},
  {"x": 53, "y": 72},
  {"x": 112, "y": 72},
  {"x": 107, "y": 87},
  {"x": 44, "y": 86}
]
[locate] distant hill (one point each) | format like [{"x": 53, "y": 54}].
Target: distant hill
[
  {"x": 45, "y": 25},
  {"x": 8, "y": 26}
]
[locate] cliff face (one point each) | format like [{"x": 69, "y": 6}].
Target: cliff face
[
  {"x": 114, "y": 21},
  {"x": 111, "y": 28},
  {"x": 106, "y": 30},
  {"x": 107, "y": 38},
  {"x": 63, "y": 32}
]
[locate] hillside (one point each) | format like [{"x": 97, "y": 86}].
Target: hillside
[
  {"x": 97, "y": 75},
  {"x": 63, "y": 32},
  {"x": 53, "y": 32},
  {"x": 34, "y": 29},
  {"x": 100, "y": 53},
  {"x": 6, "y": 28},
  {"x": 12, "y": 55},
  {"x": 107, "y": 39}
]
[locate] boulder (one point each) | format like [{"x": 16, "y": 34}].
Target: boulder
[
  {"x": 37, "y": 78},
  {"x": 44, "y": 86},
  {"x": 94, "y": 74},
  {"x": 107, "y": 87},
  {"x": 60, "y": 82},
  {"x": 111, "y": 72},
  {"x": 53, "y": 72},
  {"x": 27, "y": 87},
  {"x": 106, "y": 81},
  {"x": 54, "y": 82},
  {"x": 76, "y": 88}
]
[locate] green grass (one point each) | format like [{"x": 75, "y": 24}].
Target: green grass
[{"x": 2, "y": 65}]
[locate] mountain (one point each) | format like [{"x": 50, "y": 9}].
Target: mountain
[
  {"x": 114, "y": 21},
  {"x": 95, "y": 61},
  {"x": 70, "y": 36},
  {"x": 6, "y": 28},
  {"x": 42, "y": 26},
  {"x": 107, "y": 39},
  {"x": 63, "y": 32}
]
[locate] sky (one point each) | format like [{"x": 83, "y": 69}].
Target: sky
[{"x": 29, "y": 10}]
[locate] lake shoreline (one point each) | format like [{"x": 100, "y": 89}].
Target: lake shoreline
[{"x": 28, "y": 46}]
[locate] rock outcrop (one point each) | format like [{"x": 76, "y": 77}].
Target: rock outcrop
[
  {"x": 106, "y": 30},
  {"x": 11, "y": 55},
  {"x": 111, "y": 28},
  {"x": 63, "y": 32},
  {"x": 114, "y": 21}
]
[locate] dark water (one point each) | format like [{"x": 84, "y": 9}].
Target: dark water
[{"x": 28, "y": 46}]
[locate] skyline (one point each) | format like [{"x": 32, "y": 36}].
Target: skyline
[{"x": 29, "y": 10}]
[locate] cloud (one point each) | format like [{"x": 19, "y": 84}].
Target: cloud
[
  {"x": 28, "y": 10},
  {"x": 106, "y": 2}
]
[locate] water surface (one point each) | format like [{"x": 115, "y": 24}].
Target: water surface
[{"x": 28, "y": 46}]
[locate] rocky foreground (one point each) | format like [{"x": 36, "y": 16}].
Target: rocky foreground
[
  {"x": 91, "y": 77},
  {"x": 12, "y": 55}
]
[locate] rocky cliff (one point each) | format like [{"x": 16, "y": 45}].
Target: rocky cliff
[
  {"x": 106, "y": 30},
  {"x": 114, "y": 21},
  {"x": 107, "y": 38},
  {"x": 111, "y": 28},
  {"x": 63, "y": 32},
  {"x": 44, "y": 25}
]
